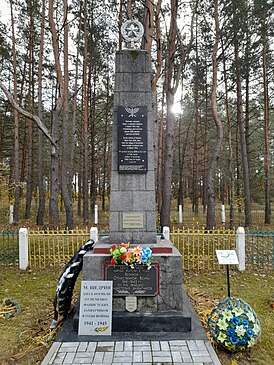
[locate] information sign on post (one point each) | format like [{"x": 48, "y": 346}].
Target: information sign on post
[
  {"x": 227, "y": 257},
  {"x": 95, "y": 316}
]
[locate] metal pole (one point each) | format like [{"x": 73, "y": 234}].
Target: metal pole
[{"x": 228, "y": 283}]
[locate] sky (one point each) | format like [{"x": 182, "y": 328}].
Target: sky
[{"x": 4, "y": 11}]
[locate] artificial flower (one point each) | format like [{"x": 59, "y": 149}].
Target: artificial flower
[
  {"x": 250, "y": 332},
  {"x": 230, "y": 331},
  {"x": 256, "y": 329},
  {"x": 234, "y": 325},
  {"x": 123, "y": 254},
  {"x": 251, "y": 342},
  {"x": 222, "y": 337},
  {"x": 227, "y": 314},
  {"x": 244, "y": 340},
  {"x": 245, "y": 323},
  {"x": 237, "y": 311},
  {"x": 234, "y": 340},
  {"x": 235, "y": 321},
  {"x": 250, "y": 316},
  {"x": 222, "y": 324},
  {"x": 240, "y": 330}
]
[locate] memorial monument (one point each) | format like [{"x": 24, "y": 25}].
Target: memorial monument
[
  {"x": 143, "y": 300},
  {"x": 132, "y": 193}
]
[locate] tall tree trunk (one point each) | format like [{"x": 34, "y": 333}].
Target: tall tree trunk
[
  {"x": 195, "y": 202},
  {"x": 159, "y": 174},
  {"x": 205, "y": 148},
  {"x": 92, "y": 70},
  {"x": 241, "y": 123},
  {"x": 16, "y": 123},
  {"x": 65, "y": 183},
  {"x": 41, "y": 207},
  {"x": 230, "y": 148},
  {"x": 105, "y": 147},
  {"x": 172, "y": 79},
  {"x": 267, "y": 219},
  {"x": 54, "y": 188},
  {"x": 129, "y": 9},
  {"x": 120, "y": 22},
  {"x": 210, "y": 217},
  {"x": 85, "y": 112},
  {"x": 148, "y": 25},
  {"x": 29, "y": 122}
]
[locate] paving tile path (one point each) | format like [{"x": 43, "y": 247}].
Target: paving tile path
[{"x": 186, "y": 352}]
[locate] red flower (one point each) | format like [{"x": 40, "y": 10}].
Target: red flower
[
  {"x": 123, "y": 245},
  {"x": 123, "y": 257},
  {"x": 113, "y": 246},
  {"x": 113, "y": 261}
]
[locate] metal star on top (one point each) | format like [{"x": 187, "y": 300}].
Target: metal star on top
[{"x": 132, "y": 31}]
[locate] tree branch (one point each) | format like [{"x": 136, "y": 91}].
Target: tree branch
[{"x": 28, "y": 115}]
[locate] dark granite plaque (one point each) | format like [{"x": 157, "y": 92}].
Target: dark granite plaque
[
  {"x": 132, "y": 139},
  {"x": 138, "y": 281}
]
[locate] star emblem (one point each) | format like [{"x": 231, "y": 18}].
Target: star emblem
[{"x": 132, "y": 30}]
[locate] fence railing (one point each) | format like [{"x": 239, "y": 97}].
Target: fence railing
[
  {"x": 9, "y": 249},
  {"x": 259, "y": 249},
  {"x": 54, "y": 248},
  {"x": 198, "y": 246}
]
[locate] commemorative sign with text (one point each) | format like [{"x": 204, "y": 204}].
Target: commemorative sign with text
[
  {"x": 132, "y": 139},
  {"x": 95, "y": 316},
  {"x": 138, "y": 281}
]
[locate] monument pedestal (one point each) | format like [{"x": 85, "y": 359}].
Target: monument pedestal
[{"x": 162, "y": 312}]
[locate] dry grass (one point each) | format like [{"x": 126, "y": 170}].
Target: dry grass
[
  {"x": 26, "y": 338},
  {"x": 257, "y": 289}
]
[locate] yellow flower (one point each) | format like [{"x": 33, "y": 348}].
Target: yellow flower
[
  {"x": 250, "y": 316},
  {"x": 222, "y": 324},
  {"x": 256, "y": 329},
  {"x": 222, "y": 337},
  {"x": 227, "y": 314},
  {"x": 237, "y": 311},
  {"x": 251, "y": 342}
]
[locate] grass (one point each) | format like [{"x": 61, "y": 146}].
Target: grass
[
  {"x": 26, "y": 338},
  {"x": 257, "y": 289}
]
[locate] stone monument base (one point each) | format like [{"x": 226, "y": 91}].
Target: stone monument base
[
  {"x": 146, "y": 322},
  {"x": 162, "y": 312}
]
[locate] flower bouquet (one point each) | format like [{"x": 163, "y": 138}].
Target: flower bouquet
[
  {"x": 234, "y": 325},
  {"x": 124, "y": 255}
]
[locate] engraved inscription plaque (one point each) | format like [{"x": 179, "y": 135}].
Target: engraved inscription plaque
[
  {"x": 139, "y": 281},
  {"x": 132, "y": 139},
  {"x": 133, "y": 220}
]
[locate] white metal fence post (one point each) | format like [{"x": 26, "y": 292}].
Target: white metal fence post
[
  {"x": 240, "y": 248},
  {"x": 166, "y": 232},
  {"x": 23, "y": 249},
  {"x": 11, "y": 214},
  {"x": 93, "y": 233},
  {"x": 223, "y": 213},
  {"x": 180, "y": 214},
  {"x": 96, "y": 214}
]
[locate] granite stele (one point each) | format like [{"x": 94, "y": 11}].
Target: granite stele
[{"x": 142, "y": 302}]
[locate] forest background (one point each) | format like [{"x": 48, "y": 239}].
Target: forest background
[{"x": 212, "y": 86}]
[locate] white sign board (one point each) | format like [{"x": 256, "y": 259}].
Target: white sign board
[
  {"x": 95, "y": 317},
  {"x": 227, "y": 257}
]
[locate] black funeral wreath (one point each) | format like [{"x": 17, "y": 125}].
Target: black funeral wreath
[{"x": 66, "y": 282}]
